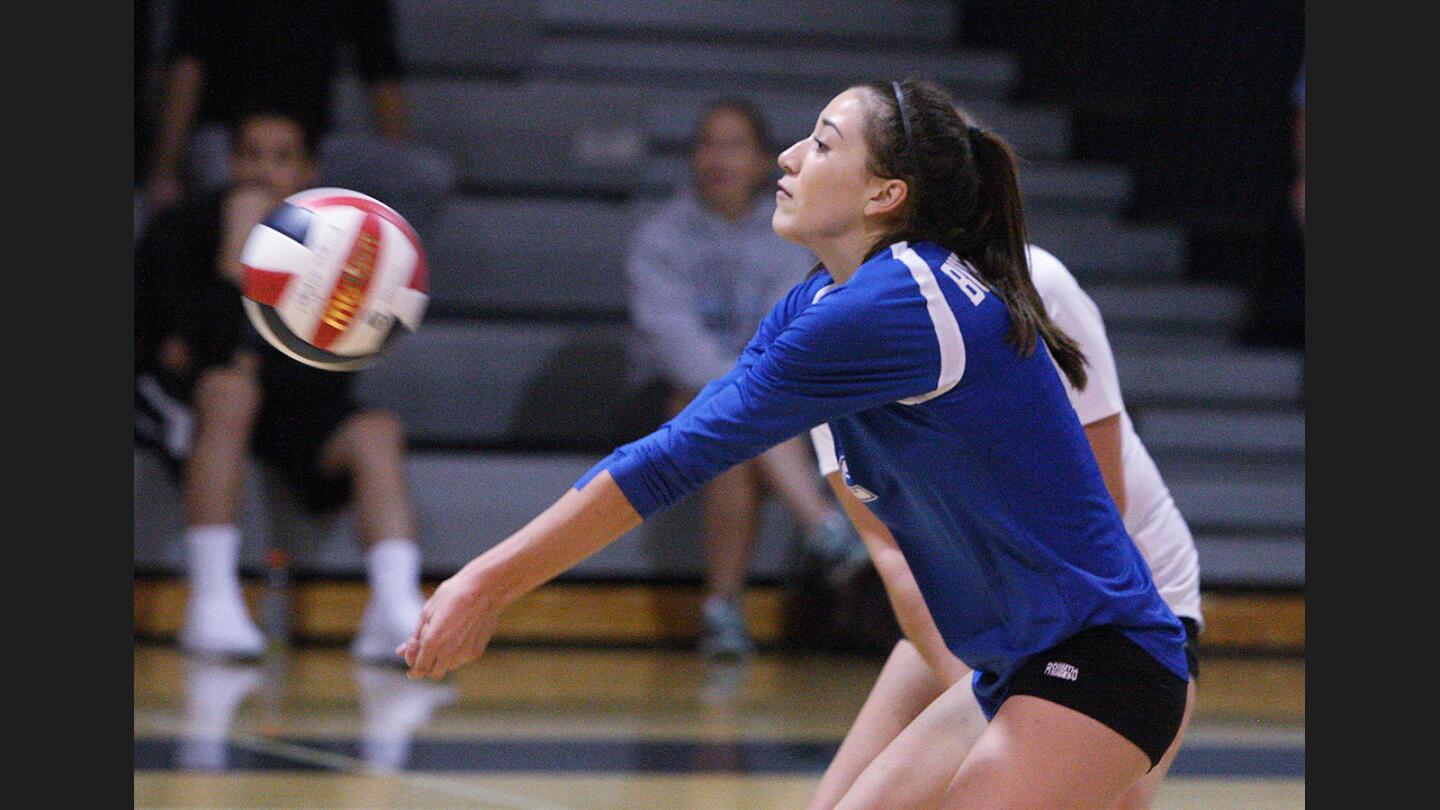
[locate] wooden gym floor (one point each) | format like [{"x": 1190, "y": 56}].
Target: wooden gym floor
[{"x": 585, "y": 725}]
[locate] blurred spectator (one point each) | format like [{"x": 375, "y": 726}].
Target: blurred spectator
[
  {"x": 225, "y": 57},
  {"x": 195, "y": 347},
  {"x": 1277, "y": 307},
  {"x": 703, "y": 271}
]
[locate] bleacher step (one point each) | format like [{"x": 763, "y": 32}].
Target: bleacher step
[
  {"x": 535, "y": 255},
  {"x": 747, "y": 66},
  {"x": 467, "y": 502},
  {"x": 328, "y": 611},
  {"x": 914, "y": 24}
]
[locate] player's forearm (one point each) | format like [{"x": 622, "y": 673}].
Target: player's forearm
[{"x": 574, "y": 527}]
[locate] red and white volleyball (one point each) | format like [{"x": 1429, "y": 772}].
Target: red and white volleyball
[{"x": 333, "y": 276}]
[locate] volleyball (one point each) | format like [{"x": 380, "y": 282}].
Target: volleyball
[{"x": 333, "y": 277}]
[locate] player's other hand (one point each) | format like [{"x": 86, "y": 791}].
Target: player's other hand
[{"x": 455, "y": 628}]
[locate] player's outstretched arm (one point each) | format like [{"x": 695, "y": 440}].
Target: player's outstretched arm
[{"x": 460, "y": 617}]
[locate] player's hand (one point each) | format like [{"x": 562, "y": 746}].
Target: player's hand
[{"x": 455, "y": 628}]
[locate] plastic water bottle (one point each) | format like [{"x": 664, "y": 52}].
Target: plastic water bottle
[{"x": 275, "y": 605}]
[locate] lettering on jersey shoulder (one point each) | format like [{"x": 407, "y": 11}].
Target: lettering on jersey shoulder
[
  {"x": 861, "y": 494},
  {"x": 973, "y": 288}
]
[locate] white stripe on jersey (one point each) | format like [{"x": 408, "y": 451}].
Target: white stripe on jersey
[
  {"x": 820, "y": 293},
  {"x": 947, "y": 331},
  {"x": 824, "y": 442}
]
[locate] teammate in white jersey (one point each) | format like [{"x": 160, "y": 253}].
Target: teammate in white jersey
[{"x": 920, "y": 668}]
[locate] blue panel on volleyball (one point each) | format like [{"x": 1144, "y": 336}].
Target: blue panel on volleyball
[{"x": 291, "y": 220}]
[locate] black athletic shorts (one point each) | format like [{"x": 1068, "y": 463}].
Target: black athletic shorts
[
  {"x": 1192, "y": 642},
  {"x": 300, "y": 409},
  {"x": 1102, "y": 674},
  {"x": 291, "y": 446}
]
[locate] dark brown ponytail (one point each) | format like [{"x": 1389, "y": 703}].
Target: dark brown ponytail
[
  {"x": 964, "y": 194},
  {"x": 996, "y": 239}
]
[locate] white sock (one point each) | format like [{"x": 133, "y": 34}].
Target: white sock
[
  {"x": 393, "y": 568},
  {"x": 212, "y": 555}
]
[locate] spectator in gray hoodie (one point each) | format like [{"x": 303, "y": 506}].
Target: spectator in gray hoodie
[{"x": 703, "y": 271}]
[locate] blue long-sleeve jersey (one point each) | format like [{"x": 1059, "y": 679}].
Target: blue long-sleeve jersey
[{"x": 970, "y": 453}]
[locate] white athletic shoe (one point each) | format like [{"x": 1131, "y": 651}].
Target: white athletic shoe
[
  {"x": 383, "y": 627},
  {"x": 220, "y": 627}
]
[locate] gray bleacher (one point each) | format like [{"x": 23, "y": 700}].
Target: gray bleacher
[
  {"x": 1279, "y": 433},
  {"x": 467, "y": 36},
  {"x": 1048, "y": 187},
  {"x": 530, "y": 255},
  {"x": 496, "y": 253},
  {"x": 546, "y": 136},
  {"x": 915, "y": 24},
  {"x": 478, "y": 382},
  {"x": 465, "y": 504},
  {"x": 566, "y": 121},
  {"x": 702, "y": 64}
]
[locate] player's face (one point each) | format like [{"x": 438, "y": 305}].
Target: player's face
[
  {"x": 827, "y": 180},
  {"x": 729, "y": 162},
  {"x": 270, "y": 153}
]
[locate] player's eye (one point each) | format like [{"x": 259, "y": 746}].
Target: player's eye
[{"x": 819, "y": 144}]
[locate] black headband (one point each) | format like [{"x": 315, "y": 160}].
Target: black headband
[{"x": 909, "y": 136}]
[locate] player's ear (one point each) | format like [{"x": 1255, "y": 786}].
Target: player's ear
[{"x": 886, "y": 195}]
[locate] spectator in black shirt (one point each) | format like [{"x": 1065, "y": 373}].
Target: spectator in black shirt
[{"x": 196, "y": 347}]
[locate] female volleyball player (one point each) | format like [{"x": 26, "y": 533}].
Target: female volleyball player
[
  {"x": 920, "y": 668},
  {"x": 923, "y": 344}
]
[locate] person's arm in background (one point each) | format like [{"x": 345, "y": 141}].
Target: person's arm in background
[
  {"x": 1106, "y": 443},
  {"x": 390, "y": 109},
  {"x": 243, "y": 209},
  {"x": 662, "y": 307},
  {"x": 184, "y": 81},
  {"x": 196, "y": 23},
  {"x": 920, "y": 667},
  {"x": 377, "y": 61},
  {"x": 900, "y": 586}
]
